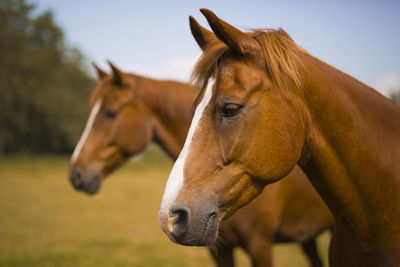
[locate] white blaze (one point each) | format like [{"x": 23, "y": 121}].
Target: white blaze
[
  {"x": 87, "y": 130},
  {"x": 176, "y": 177}
]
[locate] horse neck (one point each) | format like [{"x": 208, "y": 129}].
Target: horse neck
[
  {"x": 353, "y": 149},
  {"x": 170, "y": 104}
]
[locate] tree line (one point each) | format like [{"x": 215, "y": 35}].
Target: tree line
[{"x": 44, "y": 85}]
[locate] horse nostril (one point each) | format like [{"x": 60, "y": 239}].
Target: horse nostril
[
  {"x": 181, "y": 222},
  {"x": 75, "y": 178}
]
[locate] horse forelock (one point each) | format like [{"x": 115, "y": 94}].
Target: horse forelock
[
  {"x": 106, "y": 85},
  {"x": 100, "y": 91},
  {"x": 280, "y": 53}
]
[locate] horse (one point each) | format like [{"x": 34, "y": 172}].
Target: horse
[
  {"x": 127, "y": 112},
  {"x": 266, "y": 105},
  {"x": 135, "y": 111}
]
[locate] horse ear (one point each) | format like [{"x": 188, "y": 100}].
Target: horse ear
[
  {"x": 202, "y": 36},
  {"x": 237, "y": 40},
  {"x": 101, "y": 74},
  {"x": 118, "y": 74}
]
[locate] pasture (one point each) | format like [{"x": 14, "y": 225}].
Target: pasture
[{"x": 45, "y": 222}]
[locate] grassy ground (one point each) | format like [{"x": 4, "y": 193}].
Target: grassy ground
[{"x": 44, "y": 222}]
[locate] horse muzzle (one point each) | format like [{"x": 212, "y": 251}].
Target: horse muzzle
[
  {"x": 191, "y": 226},
  {"x": 88, "y": 182}
]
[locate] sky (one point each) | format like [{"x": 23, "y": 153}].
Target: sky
[{"x": 152, "y": 38}]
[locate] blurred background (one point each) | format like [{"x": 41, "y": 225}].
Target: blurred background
[{"x": 46, "y": 47}]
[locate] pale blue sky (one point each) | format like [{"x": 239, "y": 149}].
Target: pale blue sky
[{"x": 153, "y": 38}]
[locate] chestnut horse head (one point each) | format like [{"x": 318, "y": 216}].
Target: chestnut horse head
[
  {"x": 127, "y": 113},
  {"x": 118, "y": 127},
  {"x": 247, "y": 129}
]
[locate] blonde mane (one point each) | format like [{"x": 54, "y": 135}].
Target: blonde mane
[{"x": 280, "y": 52}]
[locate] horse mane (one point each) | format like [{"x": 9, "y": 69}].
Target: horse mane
[{"x": 280, "y": 52}]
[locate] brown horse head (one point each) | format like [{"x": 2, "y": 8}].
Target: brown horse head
[
  {"x": 247, "y": 129},
  {"x": 118, "y": 127}
]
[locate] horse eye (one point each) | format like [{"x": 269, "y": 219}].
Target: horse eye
[
  {"x": 110, "y": 114},
  {"x": 230, "y": 109}
]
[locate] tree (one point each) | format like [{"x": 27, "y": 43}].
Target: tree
[{"x": 43, "y": 85}]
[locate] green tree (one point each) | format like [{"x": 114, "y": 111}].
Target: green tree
[{"x": 43, "y": 85}]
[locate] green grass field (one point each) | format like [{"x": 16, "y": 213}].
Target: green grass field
[{"x": 45, "y": 222}]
